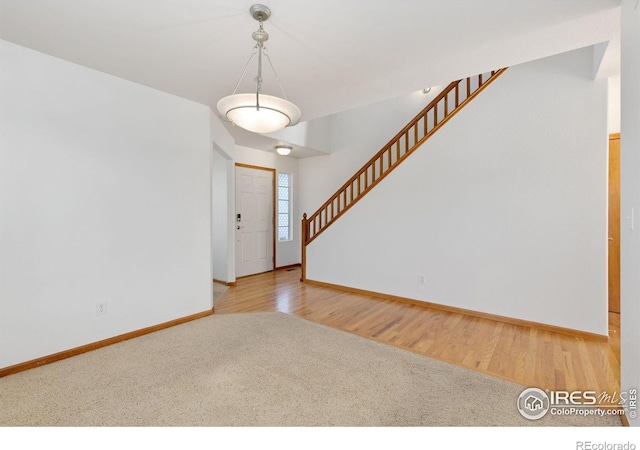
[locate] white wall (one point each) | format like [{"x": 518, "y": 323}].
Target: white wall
[
  {"x": 503, "y": 211},
  {"x": 313, "y": 134},
  {"x": 630, "y": 199},
  {"x": 614, "y": 105},
  {"x": 104, "y": 197},
  {"x": 219, "y": 217}
]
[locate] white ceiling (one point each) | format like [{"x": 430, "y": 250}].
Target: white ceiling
[{"x": 331, "y": 55}]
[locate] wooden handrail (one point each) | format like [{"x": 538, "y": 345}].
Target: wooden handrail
[{"x": 375, "y": 170}]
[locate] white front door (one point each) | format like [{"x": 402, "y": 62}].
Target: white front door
[{"x": 254, "y": 220}]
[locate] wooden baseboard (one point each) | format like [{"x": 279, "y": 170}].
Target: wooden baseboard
[
  {"x": 468, "y": 312},
  {"x": 96, "y": 345},
  {"x": 226, "y": 283}
]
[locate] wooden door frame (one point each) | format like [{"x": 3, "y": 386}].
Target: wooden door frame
[
  {"x": 273, "y": 205},
  {"x": 612, "y": 137}
]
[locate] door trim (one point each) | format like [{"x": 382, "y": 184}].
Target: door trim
[
  {"x": 615, "y": 218},
  {"x": 273, "y": 202}
]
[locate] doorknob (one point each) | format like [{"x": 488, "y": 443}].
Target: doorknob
[
  {"x": 611, "y": 239},
  {"x": 238, "y": 227}
]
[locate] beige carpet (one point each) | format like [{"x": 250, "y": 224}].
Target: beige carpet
[{"x": 263, "y": 369}]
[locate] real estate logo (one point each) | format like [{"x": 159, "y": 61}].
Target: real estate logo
[{"x": 533, "y": 403}]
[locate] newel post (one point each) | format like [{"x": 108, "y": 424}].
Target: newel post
[{"x": 305, "y": 234}]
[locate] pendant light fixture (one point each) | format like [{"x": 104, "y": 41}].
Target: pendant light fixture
[{"x": 258, "y": 112}]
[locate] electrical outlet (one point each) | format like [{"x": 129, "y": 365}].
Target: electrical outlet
[
  {"x": 101, "y": 308},
  {"x": 421, "y": 279}
]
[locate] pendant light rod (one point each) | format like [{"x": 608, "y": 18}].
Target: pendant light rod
[{"x": 260, "y": 36}]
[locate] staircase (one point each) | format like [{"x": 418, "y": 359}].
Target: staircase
[{"x": 442, "y": 108}]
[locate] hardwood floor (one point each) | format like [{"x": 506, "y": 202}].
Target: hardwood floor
[{"x": 524, "y": 355}]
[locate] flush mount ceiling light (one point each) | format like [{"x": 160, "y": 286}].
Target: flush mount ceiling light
[
  {"x": 283, "y": 150},
  {"x": 258, "y": 112}
]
